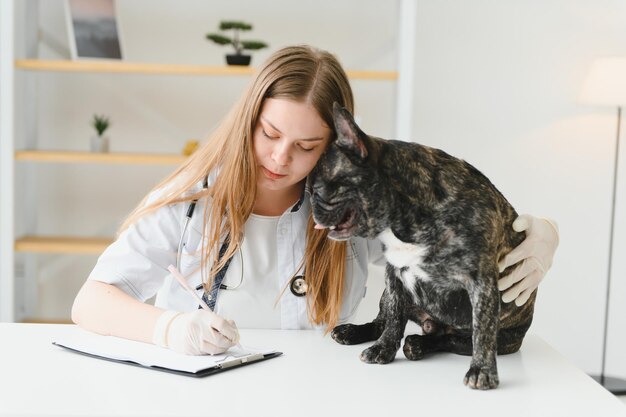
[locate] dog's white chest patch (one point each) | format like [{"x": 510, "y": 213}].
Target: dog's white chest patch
[{"x": 405, "y": 255}]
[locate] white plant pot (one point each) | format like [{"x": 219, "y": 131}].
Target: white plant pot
[{"x": 99, "y": 144}]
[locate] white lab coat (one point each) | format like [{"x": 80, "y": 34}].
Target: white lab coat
[{"x": 137, "y": 263}]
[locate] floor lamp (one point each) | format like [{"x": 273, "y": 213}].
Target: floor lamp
[{"x": 605, "y": 85}]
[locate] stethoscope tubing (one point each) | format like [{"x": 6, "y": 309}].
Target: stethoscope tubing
[
  {"x": 297, "y": 285},
  {"x": 188, "y": 217}
]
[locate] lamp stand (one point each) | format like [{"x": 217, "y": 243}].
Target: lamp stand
[{"x": 616, "y": 386}]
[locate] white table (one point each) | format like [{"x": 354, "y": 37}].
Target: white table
[{"x": 315, "y": 377}]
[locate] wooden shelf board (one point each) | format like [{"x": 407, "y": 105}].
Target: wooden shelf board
[
  {"x": 61, "y": 244},
  {"x": 37, "y": 320},
  {"x": 167, "y": 69},
  {"x": 100, "y": 158}
]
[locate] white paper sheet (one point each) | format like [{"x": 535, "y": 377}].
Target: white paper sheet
[{"x": 150, "y": 355}]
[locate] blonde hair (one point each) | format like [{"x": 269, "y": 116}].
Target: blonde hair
[{"x": 299, "y": 73}]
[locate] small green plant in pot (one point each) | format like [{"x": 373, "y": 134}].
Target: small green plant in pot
[
  {"x": 99, "y": 142},
  {"x": 238, "y": 58}
]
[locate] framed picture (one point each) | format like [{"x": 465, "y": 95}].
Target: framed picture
[{"x": 93, "y": 29}]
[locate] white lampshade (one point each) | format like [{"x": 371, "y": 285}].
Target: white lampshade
[{"x": 605, "y": 84}]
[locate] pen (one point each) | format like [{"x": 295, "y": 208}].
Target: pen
[{"x": 183, "y": 282}]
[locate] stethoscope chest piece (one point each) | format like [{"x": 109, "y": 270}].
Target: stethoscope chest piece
[{"x": 298, "y": 286}]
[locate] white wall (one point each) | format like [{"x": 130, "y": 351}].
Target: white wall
[{"x": 496, "y": 83}]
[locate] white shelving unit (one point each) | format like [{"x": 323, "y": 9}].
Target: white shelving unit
[
  {"x": 10, "y": 23},
  {"x": 7, "y": 285}
]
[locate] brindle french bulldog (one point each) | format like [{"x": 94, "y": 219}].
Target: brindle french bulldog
[{"x": 443, "y": 226}]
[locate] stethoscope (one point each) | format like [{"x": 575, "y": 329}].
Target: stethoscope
[
  {"x": 181, "y": 244},
  {"x": 297, "y": 285}
]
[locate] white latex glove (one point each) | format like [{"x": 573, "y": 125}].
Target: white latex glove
[
  {"x": 197, "y": 333},
  {"x": 535, "y": 252}
]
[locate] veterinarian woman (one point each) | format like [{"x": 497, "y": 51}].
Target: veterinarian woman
[{"x": 238, "y": 211}]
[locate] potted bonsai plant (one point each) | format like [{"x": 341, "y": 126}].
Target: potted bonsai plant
[
  {"x": 99, "y": 142},
  {"x": 238, "y": 58}
]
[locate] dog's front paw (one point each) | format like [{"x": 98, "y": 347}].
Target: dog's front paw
[
  {"x": 481, "y": 377},
  {"x": 351, "y": 334},
  {"x": 378, "y": 353},
  {"x": 413, "y": 348}
]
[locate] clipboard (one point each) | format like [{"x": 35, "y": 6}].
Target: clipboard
[
  {"x": 153, "y": 357},
  {"x": 221, "y": 367}
]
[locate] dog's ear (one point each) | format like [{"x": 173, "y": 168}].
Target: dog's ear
[{"x": 349, "y": 136}]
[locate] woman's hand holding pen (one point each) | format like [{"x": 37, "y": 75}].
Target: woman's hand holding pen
[{"x": 197, "y": 333}]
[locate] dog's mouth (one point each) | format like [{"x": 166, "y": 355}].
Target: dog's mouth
[{"x": 344, "y": 228}]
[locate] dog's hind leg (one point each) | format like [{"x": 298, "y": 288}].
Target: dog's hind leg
[
  {"x": 510, "y": 340},
  {"x": 417, "y": 346},
  {"x": 353, "y": 334}
]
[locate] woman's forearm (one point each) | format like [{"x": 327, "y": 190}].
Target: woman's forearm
[{"x": 105, "y": 309}]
